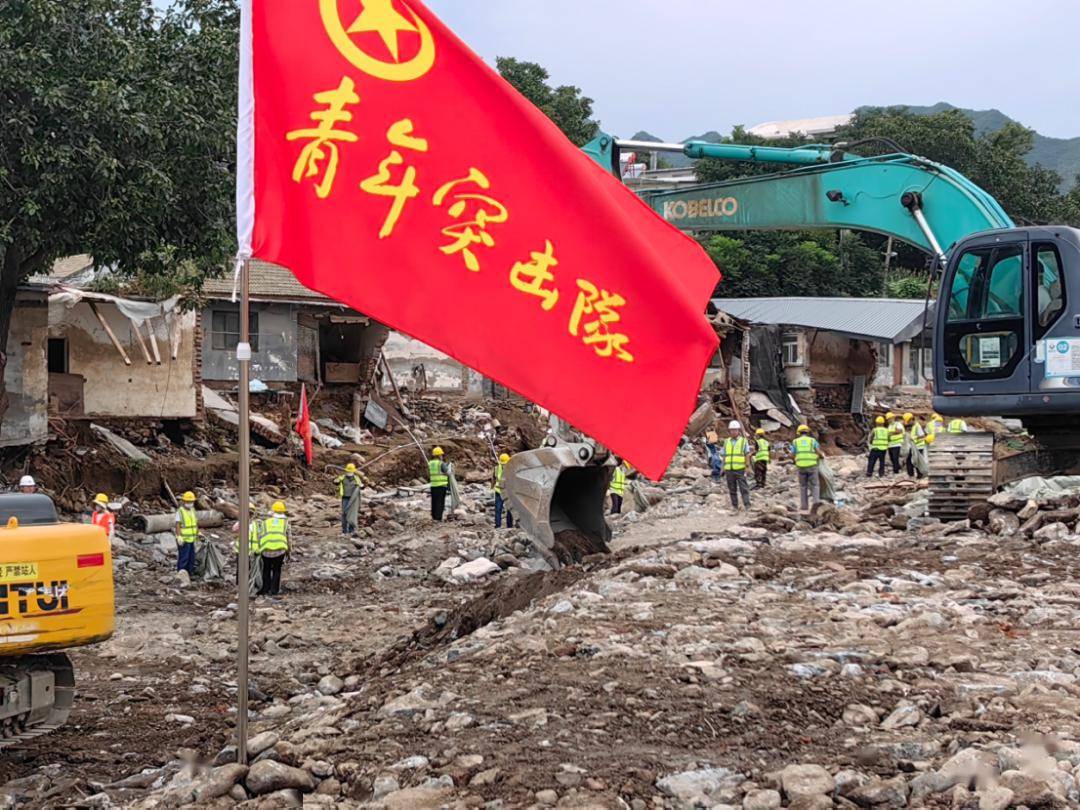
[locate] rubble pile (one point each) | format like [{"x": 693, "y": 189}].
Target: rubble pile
[{"x": 860, "y": 656}]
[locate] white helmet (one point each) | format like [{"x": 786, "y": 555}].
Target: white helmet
[
  {"x": 27, "y": 481},
  {"x": 734, "y": 425}
]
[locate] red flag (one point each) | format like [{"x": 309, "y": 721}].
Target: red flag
[
  {"x": 303, "y": 423},
  {"x": 389, "y": 168}
]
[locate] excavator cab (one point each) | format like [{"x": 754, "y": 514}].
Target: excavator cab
[{"x": 1008, "y": 336}]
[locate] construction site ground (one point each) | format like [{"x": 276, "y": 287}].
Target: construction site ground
[{"x": 711, "y": 659}]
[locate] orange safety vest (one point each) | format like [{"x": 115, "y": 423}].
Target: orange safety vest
[{"x": 106, "y": 520}]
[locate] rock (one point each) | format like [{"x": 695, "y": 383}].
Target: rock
[
  {"x": 330, "y": 685},
  {"x": 1030, "y": 791},
  {"x": 384, "y": 784},
  {"x": 268, "y": 776},
  {"x": 1028, "y": 510},
  {"x": 902, "y": 717},
  {"x": 220, "y": 781},
  {"x": 280, "y": 799},
  {"x": 419, "y": 763},
  {"x": 475, "y": 569},
  {"x": 1051, "y": 531},
  {"x": 487, "y": 777},
  {"x": 259, "y": 743},
  {"x": 417, "y": 701},
  {"x": 1011, "y": 501},
  {"x": 761, "y": 800},
  {"x": 546, "y": 797},
  {"x": 417, "y": 798},
  {"x": 858, "y": 714},
  {"x": 459, "y": 720},
  {"x": 811, "y": 803},
  {"x": 707, "y": 786},
  {"x": 881, "y": 793},
  {"x": 930, "y": 782},
  {"x": 995, "y": 797},
  {"x": 1003, "y": 523},
  {"x": 186, "y": 719},
  {"x": 181, "y": 579},
  {"x": 970, "y": 765},
  {"x": 806, "y": 780}
]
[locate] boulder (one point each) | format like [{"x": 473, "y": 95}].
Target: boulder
[
  {"x": 881, "y": 793},
  {"x": 806, "y": 780},
  {"x": 761, "y": 800},
  {"x": 707, "y": 786},
  {"x": 1003, "y": 522},
  {"x": 268, "y": 776}
]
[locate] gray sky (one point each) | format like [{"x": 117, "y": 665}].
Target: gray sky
[{"x": 682, "y": 67}]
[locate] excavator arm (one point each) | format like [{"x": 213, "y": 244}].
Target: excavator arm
[{"x": 904, "y": 196}]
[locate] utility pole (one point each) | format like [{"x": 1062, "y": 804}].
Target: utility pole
[{"x": 243, "y": 357}]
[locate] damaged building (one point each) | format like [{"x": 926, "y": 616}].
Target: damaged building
[{"x": 822, "y": 354}]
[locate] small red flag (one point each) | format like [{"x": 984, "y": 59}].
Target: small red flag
[
  {"x": 389, "y": 168},
  {"x": 303, "y": 424}
]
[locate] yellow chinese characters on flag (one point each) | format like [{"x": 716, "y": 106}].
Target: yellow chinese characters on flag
[{"x": 388, "y": 167}]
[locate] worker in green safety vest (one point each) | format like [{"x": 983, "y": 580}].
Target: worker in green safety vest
[
  {"x": 735, "y": 458},
  {"x": 617, "y": 487},
  {"x": 917, "y": 445},
  {"x": 896, "y": 440},
  {"x": 439, "y": 478},
  {"x": 274, "y": 549},
  {"x": 957, "y": 426},
  {"x": 187, "y": 532},
  {"x": 935, "y": 426},
  {"x": 500, "y": 501},
  {"x": 879, "y": 445},
  {"x": 807, "y": 454},
  {"x": 761, "y": 458}
]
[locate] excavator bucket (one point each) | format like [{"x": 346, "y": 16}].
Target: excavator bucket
[{"x": 559, "y": 500}]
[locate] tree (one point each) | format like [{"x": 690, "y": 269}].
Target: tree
[
  {"x": 117, "y": 138},
  {"x": 565, "y": 105}
]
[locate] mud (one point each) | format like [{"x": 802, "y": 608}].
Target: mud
[{"x": 573, "y": 546}]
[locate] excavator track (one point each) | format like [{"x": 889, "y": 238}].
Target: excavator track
[
  {"x": 961, "y": 473},
  {"x": 37, "y": 694}
]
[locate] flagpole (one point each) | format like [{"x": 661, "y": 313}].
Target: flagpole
[{"x": 243, "y": 356}]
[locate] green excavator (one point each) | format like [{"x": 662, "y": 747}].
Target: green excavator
[{"x": 1006, "y": 321}]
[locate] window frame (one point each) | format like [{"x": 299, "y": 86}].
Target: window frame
[
  {"x": 791, "y": 339},
  {"x": 225, "y": 339},
  {"x": 1040, "y": 329}
]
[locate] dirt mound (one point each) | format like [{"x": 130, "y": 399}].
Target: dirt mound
[
  {"x": 505, "y": 597},
  {"x": 573, "y": 546}
]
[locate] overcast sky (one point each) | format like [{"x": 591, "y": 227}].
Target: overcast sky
[{"x": 682, "y": 67}]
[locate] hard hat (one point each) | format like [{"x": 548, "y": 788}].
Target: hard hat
[
  {"x": 890, "y": 415},
  {"x": 908, "y": 417},
  {"x": 101, "y": 498},
  {"x": 505, "y": 457},
  {"x": 278, "y": 508},
  {"x": 188, "y": 497},
  {"x": 734, "y": 425},
  {"x": 929, "y": 438},
  {"x": 802, "y": 429},
  {"x": 880, "y": 420},
  {"x": 759, "y": 432},
  {"x": 936, "y": 416},
  {"x": 27, "y": 481},
  {"x": 350, "y": 468},
  {"x": 438, "y": 451}
]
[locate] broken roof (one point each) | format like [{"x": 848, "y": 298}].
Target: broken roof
[
  {"x": 268, "y": 282},
  {"x": 892, "y": 320}
]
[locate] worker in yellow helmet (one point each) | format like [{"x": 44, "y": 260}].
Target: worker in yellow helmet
[
  {"x": 497, "y": 487},
  {"x": 957, "y": 425},
  {"x": 617, "y": 487},
  {"x": 761, "y": 458},
  {"x": 936, "y": 425},
  {"x": 735, "y": 458},
  {"x": 274, "y": 548},
  {"x": 806, "y": 452},
  {"x": 348, "y": 490},
  {"x": 896, "y": 440},
  {"x": 916, "y": 438},
  {"x": 187, "y": 532},
  {"x": 439, "y": 478},
  {"x": 101, "y": 516},
  {"x": 879, "y": 445}
]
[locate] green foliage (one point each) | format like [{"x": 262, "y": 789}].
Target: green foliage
[
  {"x": 906, "y": 284},
  {"x": 117, "y": 138},
  {"x": 771, "y": 263},
  {"x": 565, "y": 105}
]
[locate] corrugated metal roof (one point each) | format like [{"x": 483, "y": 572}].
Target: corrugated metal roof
[
  {"x": 268, "y": 282},
  {"x": 885, "y": 319}
]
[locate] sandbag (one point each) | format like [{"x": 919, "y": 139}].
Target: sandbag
[
  {"x": 828, "y": 481},
  {"x": 637, "y": 496},
  {"x": 455, "y": 490},
  {"x": 254, "y": 575},
  {"x": 209, "y": 563}
]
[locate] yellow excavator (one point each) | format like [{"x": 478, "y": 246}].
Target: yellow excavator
[{"x": 56, "y": 593}]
